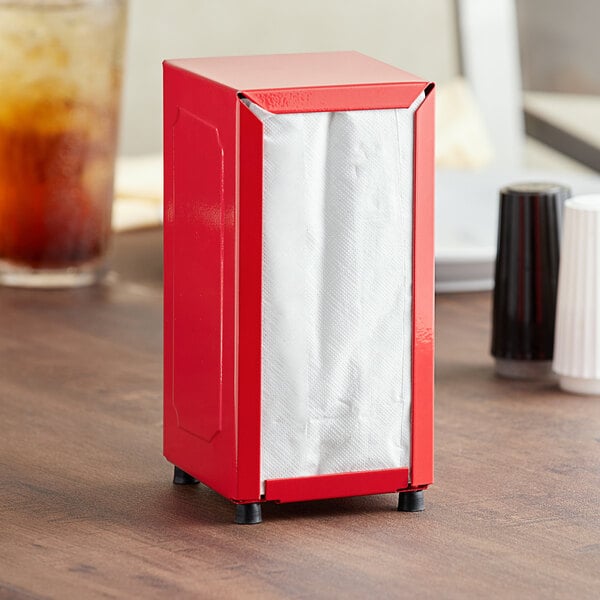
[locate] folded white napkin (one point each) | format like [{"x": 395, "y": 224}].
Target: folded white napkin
[{"x": 138, "y": 192}]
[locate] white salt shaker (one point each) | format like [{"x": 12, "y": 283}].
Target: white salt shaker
[{"x": 577, "y": 335}]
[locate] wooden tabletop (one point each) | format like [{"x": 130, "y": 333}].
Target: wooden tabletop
[{"x": 87, "y": 509}]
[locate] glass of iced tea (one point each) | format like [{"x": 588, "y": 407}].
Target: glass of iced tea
[{"x": 60, "y": 83}]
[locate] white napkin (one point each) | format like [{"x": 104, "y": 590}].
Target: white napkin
[
  {"x": 138, "y": 192},
  {"x": 337, "y": 283}
]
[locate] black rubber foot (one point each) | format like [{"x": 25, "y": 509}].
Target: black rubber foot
[
  {"x": 180, "y": 477},
  {"x": 248, "y": 514},
  {"x": 411, "y": 501}
]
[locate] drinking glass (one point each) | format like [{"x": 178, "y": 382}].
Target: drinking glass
[{"x": 60, "y": 82}]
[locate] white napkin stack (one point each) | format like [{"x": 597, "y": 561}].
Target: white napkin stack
[{"x": 337, "y": 286}]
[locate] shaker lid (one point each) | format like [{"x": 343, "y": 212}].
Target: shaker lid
[{"x": 539, "y": 189}]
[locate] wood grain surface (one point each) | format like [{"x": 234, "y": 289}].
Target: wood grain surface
[{"x": 87, "y": 509}]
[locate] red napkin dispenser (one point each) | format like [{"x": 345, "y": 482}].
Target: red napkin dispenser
[{"x": 298, "y": 278}]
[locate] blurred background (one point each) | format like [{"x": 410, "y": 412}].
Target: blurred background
[
  {"x": 518, "y": 91},
  {"x": 420, "y": 40},
  {"x": 557, "y": 41}
]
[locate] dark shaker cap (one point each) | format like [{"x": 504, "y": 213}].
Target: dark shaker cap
[{"x": 526, "y": 277}]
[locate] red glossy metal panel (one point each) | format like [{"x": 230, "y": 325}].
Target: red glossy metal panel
[
  {"x": 305, "y": 70},
  {"x": 336, "y": 486},
  {"x": 321, "y": 99},
  {"x": 198, "y": 296},
  {"x": 249, "y": 345},
  {"x": 423, "y": 295},
  {"x": 198, "y": 202}
]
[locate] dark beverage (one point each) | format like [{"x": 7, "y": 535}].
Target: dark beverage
[{"x": 56, "y": 185}]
